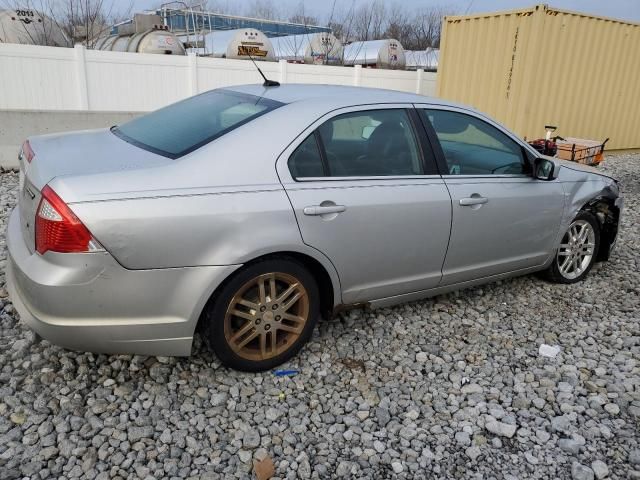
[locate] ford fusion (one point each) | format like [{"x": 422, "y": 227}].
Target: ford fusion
[{"x": 249, "y": 212}]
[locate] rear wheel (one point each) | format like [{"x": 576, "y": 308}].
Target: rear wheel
[
  {"x": 263, "y": 315},
  {"x": 577, "y": 251}
]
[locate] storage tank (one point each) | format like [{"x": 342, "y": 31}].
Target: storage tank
[
  {"x": 31, "y": 27},
  {"x": 386, "y": 53},
  {"x": 154, "y": 40},
  {"x": 240, "y": 43},
  {"x": 424, "y": 59},
  {"x": 315, "y": 48}
]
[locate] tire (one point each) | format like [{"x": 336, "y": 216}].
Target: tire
[
  {"x": 570, "y": 263},
  {"x": 242, "y": 321}
]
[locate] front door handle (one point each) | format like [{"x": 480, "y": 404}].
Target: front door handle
[
  {"x": 324, "y": 209},
  {"x": 474, "y": 200}
]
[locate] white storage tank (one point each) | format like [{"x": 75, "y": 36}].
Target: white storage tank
[
  {"x": 387, "y": 53},
  {"x": 28, "y": 26},
  {"x": 156, "y": 40},
  {"x": 241, "y": 43},
  {"x": 316, "y": 48},
  {"x": 424, "y": 59}
]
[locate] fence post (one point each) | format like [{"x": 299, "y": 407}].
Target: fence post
[
  {"x": 357, "y": 75},
  {"x": 193, "y": 73},
  {"x": 81, "y": 77},
  {"x": 419, "y": 75},
  {"x": 283, "y": 71}
]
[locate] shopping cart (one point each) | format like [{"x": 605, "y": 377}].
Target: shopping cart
[{"x": 580, "y": 150}]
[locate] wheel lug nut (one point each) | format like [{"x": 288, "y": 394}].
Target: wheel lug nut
[
  {"x": 278, "y": 318},
  {"x": 263, "y": 308},
  {"x": 274, "y": 306},
  {"x": 257, "y": 321},
  {"x": 267, "y": 327}
]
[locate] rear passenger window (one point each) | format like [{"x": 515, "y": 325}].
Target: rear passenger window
[
  {"x": 306, "y": 160},
  {"x": 370, "y": 143}
]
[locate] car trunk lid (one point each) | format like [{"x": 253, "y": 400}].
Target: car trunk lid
[
  {"x": 77, "y": 153},
  {"x": 84, "y": 153}
]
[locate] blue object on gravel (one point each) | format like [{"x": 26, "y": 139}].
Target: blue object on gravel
[{"x": 285, "y": 373}]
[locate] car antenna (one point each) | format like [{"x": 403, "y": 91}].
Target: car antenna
[{"x": 267, "y": 82}]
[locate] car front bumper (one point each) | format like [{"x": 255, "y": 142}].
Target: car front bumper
[{"x": 89, "y": 302}]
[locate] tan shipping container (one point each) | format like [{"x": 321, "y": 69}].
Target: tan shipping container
[{"x": 543, "y": 66}]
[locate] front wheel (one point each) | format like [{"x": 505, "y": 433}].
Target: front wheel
[
  {"x": 577, "y": 251},
  {"x": 263, "y": 315}
]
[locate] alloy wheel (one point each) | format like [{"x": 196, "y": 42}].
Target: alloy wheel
[
  {"x": 266, "y": 316},
  {"x": 576, "y": 249}
]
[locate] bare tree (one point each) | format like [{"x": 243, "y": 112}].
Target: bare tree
[
  {"x": 399, "y": 25},
  {"x": 369, "y": 20},
  {"x": 303, "y": 19},
  {"x": 86, "y": 21},
  {"x": 341, "y": 21},
  {"x": 225, "y": 7},
  {"x": 428, "y": 27},
  {"x": 34, "y": 26},
  {"x": 377, "y": 19},
  {"x": 263, "y": 9}
]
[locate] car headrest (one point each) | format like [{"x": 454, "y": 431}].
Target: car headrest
[{"x": 386, "y": 135}]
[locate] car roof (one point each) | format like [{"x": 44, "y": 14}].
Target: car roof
[{"x": 338, "y": 94}]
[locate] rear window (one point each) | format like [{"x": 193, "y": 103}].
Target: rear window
[{"x": 182, "y": 127}]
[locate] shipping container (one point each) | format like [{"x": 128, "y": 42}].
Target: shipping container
[{"x": 542, "y": 66}]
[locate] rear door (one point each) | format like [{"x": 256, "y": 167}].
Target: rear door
[
  {"x": 366, "y": 193},
  {"x": 503, "y": 219}
]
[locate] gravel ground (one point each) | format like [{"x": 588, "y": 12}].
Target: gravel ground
[{"x": 449, "y": 387}]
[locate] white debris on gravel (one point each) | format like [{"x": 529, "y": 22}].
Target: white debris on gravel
[
  {"x": 550, "y": 351},
  {"x": 451, "y": 387}
]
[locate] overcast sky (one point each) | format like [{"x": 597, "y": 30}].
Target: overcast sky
[{"x": 622, "y": 9}]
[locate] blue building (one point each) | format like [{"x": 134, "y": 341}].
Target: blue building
[{"x": 179, "y": 20}]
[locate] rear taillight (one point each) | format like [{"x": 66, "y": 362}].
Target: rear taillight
[
  {"x": 58, "y": 229},
  {"x": 27, "y": 151}
]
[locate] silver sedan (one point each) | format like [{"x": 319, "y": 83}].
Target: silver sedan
[{"x": 247, "y": 213}]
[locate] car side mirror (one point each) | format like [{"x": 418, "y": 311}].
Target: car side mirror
[{"x": 545, "y": 169}]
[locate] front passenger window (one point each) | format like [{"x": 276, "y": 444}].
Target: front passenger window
[{"x": 474, "y": 147}]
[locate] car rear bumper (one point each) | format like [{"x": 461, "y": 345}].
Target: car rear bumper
[{"x": 89, "y": 302}]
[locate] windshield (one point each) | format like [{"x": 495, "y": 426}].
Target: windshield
[{"x": 182, "y": 127}]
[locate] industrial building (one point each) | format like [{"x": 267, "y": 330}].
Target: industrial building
[{"x": 192, "y": 21}]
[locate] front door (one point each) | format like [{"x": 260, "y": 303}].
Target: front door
[
  {"x": 366, "y": 194},
  {"x": 503, "y": 220}
]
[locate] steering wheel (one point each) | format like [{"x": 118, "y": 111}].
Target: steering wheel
[{"x": 505, "y": 168}]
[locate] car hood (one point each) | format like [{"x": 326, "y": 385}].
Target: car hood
[
  {"x": 84, "y": 152},
  {"x": 579, "y": 167}
]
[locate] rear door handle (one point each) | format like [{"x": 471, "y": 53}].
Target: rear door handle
[
  {"x": 323, "y": 209},
  {"x": 467, "y": 202}
]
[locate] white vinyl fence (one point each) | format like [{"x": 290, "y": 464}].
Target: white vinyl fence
[{"x": 51, "y": 78}]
